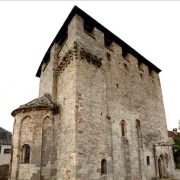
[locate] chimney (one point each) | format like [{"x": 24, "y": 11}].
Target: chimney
[{"x": 175, "y": 131}]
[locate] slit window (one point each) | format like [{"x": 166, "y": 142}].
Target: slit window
[
  {"x": 123, "y": 130},
  {"x": 148, "y": 160},
  {"x": 138, "y": 124},
  {"x": 103, "y": 167}
]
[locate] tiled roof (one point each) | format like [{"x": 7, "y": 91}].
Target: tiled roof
[
  {"x": 42, "y": 102},
  {"x": 5, "y": 137},
  {"x": 174, "y": 135}
]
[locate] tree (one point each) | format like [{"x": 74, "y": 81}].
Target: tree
[{"x": 176, "y": 152}]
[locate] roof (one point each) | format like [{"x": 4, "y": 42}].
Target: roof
[
  {"x": 174, "y": 135},
  {"x": 5, "y": 137},
  {"x": 109, "y": 37},
  {"x": 42, "y": 102}
]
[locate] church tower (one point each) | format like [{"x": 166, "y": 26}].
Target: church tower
[{"x": 99, "y": 114}]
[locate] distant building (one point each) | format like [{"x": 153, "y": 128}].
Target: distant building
[
  {"x": 174, "y": 135},
  {"x": 5, "y": 146}
]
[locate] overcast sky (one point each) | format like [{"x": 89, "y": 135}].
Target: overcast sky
[{"x": 28, "y": 28}]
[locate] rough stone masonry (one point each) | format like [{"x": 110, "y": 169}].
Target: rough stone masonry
[{"x": 99, "y": 115}]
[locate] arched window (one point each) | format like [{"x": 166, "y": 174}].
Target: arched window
[
  {"x": 26, "y": 154},
  {"x": 103, "y": 167},
  {"x": 148, "y": 160}
]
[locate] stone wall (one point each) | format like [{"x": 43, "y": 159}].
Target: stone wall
[
  {"x": 120, "y": 89},
  {"x": 66, "y": 155},
  {"x": 29, "y": 129},
  {"x": 97, "y": 89}
]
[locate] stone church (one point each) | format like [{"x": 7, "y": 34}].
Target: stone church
[{"x": 99, "y": 114}]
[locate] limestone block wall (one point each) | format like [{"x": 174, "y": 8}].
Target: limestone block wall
[
  {"x": 93, "y": 126},
  {"x": 46, "y": 80},
  {"x": 122, "y": 88},
  {"x": 97, "y": 89},
  {"x": 33, "y": 128},
  {"x": 164, "y": 152},
  {"x": 66, "y": 145}
]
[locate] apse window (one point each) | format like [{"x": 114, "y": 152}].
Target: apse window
[{"x": 26, "y": 154}]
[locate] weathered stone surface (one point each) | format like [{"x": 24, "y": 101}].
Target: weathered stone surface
[{"x": 110, "y": 108}]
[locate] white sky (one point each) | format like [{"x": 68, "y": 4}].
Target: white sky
[{"x": 28, "y": 28}]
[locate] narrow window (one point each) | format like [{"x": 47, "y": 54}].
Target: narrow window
[
  {"x": 122, "y": 129},
  {"x": 26, "y": 153},
  {"x": 148, "y": 160},
  {"x": 138, "y": 124},
  {"x": 103, "y": 167}
]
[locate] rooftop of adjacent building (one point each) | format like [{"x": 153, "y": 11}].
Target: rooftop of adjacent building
[
  {"x": 5, "y": 137},
  {"x": 108, "y": 38},
  {"x": 174, "y": 134}
]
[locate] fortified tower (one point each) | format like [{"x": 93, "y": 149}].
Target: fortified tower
[{"x": 99, "y": 115}]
